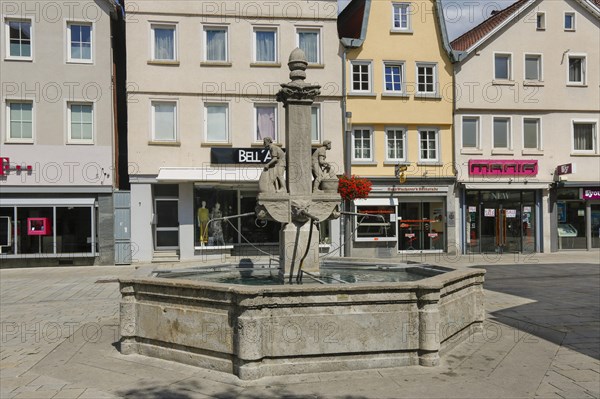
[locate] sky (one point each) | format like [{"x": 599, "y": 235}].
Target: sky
[{"x": 462, "y": 15}]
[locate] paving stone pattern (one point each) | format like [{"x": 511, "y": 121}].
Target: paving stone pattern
[{"x": 541, "y": 339}]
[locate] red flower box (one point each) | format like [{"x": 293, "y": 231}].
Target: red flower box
[{"x": 354, "y": 187}]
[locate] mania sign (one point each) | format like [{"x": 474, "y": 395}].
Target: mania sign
[{"x": 508, "y": 167}]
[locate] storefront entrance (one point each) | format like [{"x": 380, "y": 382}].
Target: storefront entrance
[
  {"x": 500, "y": 221},
  {"x": 166, "y": 216},
  {"x": 421, "y": 226}
]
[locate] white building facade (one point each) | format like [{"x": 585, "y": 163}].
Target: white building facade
[
  {"x": 57, "y": 133},
  {"x": 202, "y": 79},
  {"x": 526, "y": 129}
]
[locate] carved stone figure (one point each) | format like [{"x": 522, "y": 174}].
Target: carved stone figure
[
  {"x": 271, "y": 180},
  {"x": 320, "y": 167}
]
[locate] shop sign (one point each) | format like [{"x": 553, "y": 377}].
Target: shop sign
[
  {"x": 490, "y": 213},
  {"x": 6, "y": 167},
  {"x": 565, "y": 169},
  {"x": 511, "y": 213},
  {"x": 507, "y": 167},
  {"x": 591, "y": 193},
  {"x": 405, "y": 189},
  {"x": 240, "y": 156}
]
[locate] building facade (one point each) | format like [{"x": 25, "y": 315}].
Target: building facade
[
  {"x": 399, "y": 90},
  {"x": 57, "y": 135},
  {"x": 202, "y": 83},
  {"x": 526, "y": 129}
]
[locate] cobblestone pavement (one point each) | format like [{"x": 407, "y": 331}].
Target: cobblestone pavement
[{"x": 541, "y": 339}]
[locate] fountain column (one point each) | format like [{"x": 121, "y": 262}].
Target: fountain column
[{"x": 296, "y": 206}]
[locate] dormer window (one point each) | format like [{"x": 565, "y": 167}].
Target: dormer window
[{"x": 401, "y": 17}]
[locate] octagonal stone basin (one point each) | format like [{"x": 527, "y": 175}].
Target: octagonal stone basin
[{"x": 254, "y": 331}]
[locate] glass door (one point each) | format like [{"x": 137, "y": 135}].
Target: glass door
[
  {"x": 167, "y": 223},
  {"x": 421, "y": 226},
  {"x": 502, "y": 222}
]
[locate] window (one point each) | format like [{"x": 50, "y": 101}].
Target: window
[
  {"x": 80, "y": 42},
  {"x": 394, "y": 76},
  {"x": 501, "y": 133},
  {"x": 164, "y": 43},
  {"x": 377, "y": 224},
  {"x": 540, "y": 20},
  {"x": 362, "y": 144},
  {"x": 215, "y": 44},
  {"x": 533, "y": 67},
  {"x": 569, "y": 21},
  {"x": 577, "y": 70},
  {"x": 217, "y": 123},
  {"x": 18, "y": 35},
  {"x": 81, "y": 123},
  {"x": 470, "y": 132},
  {"x": 361, "y": 76},
  {"x": 531, "y": 133},
  {"x": 309, "y": 41},
  {"x": 428, "y": 148},
  {"x": 502, "y": 67},
  {"x": 265, "y": 45},
  {"x": 396, "y": 147},
  {"x": 266, "y": 122},
  {"x": 315, "y": 123},
  {"x": 401, "y": 17},
  {"x": 426, "y": 79},
  {"x": 20, "y": 121},
  {"x": 164, "y": 117},
  {"x": 584, "y": 136}
]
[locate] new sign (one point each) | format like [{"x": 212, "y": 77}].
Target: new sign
[{"x": 495, "y": 167}]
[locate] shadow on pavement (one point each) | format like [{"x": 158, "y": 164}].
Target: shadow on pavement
[{"x": 566, "y": 308}]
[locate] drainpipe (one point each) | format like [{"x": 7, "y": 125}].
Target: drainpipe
[{"x": 345, "y": 225}]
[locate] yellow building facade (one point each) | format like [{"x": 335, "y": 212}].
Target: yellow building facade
[{"x": 399, "y": 102}]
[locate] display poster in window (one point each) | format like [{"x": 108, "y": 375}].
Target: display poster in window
[
  {"x": 437, "y": 214},
  {"x": 526, "y": 209},
  {"x": 580, "y": 212},
  {"x": 489, "y": 213},
  {"x": 511, "y": 213},
  {"x": 561, "y": 210},
  {"x": 472, "y": 209}
]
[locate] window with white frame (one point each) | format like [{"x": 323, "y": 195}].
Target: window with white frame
[
  {"x": 19, "y": 121},
  {"x": 540, "y": 20},
  {"x": 394, "y": 77},
  {"x": 502, "y": 67},
  {"x": 265, "y": 117},
  {"x": 265, "y": 45},
  {"x": 79, "y": 37},
  {"x": 532, "y": 134},
  {"x": 569, "y": 21},
  {"x": 396, "y": 144},
  {"x": 426, "y": 78},
  {"x": 361, "y": 76},
  {"x": 81, "y": 122},
  {"x": 401, "y": 17},
  {"x": 577, "y": 69},
  {"x": 584, "y": 136},
  {"x": 501, "y": 132},
  {"x": 216, "y": 118},
  {"x": 362, "y": 143},
  {"x": 164, "y": 120},
  {"x": 18, "y": 38},
  {"x": 309, "y": 40},
  {"x": 315, "y": 123},
  {"x": 215, "y": 44},
  {"x": 428, "y": 145},
  {"x": 164, "y": 42},
  {"x": 533, "y": 67},
  {"x": 470, "y": 132}
]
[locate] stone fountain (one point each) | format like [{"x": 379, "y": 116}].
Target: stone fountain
[{"x": 253, "y": 331}]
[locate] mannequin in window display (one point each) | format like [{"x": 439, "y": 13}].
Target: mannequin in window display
[
  {"x": 216, "y": 226},
  {"x": 203, "y": 216}
]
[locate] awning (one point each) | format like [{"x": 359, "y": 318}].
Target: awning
[
  {"x": 41, "y": 202},
  {"x": 507, "y": 186},
  {"x": 376, "y": 202},
  {"x": 227, "y": 174}
]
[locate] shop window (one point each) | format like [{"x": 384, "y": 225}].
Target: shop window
[
  {"x": 421, "y": 226},
  {"x": 212, "y": 203},
  {"x": 378, "y": 224},
  {"x": 571, "y": 225},
  {"x": 74, "y": 230}
]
